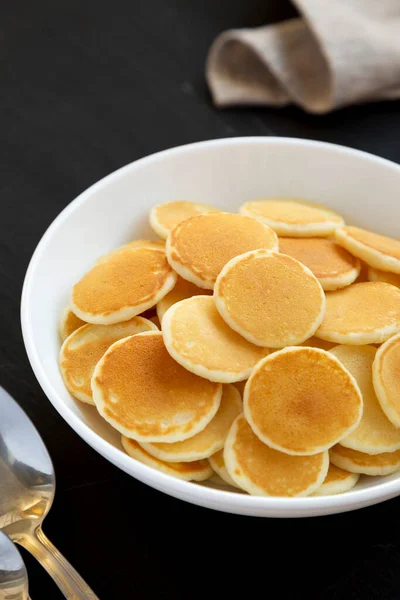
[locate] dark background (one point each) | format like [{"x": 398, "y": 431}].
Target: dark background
[{"x": 86, "y": 87}]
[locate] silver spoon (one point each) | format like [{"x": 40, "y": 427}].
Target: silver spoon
[
  {"x": 27, "y": 486},
  {"x": 13, "y": 577}
]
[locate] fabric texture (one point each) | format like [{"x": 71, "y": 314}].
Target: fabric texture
[{"x": 339, "y": 52}]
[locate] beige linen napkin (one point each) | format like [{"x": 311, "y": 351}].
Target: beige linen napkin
[{"x": 339, "y": 52}]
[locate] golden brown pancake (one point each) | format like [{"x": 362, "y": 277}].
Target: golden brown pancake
[
  {"x": 157, "y": 244},
  {"x": 293, "y": 217},
  {"x": 198, "y": 470},
  {"x": 337, "y": 481},
  {"x": 125, "y": 285},
  {"x": 183, "y": 289},
  {"x": 198, "y": 338},
  {"x": 376, "y": 275},
  {"x": 208, "y": 441},
  {"x": 363, "y": 275},
  {"x": 198, "y": 248},
  {"x": 218, "y": 465},
  {"x": 83, "y": 349},
  {"x": 386, "y": 378},
  {"x": 68, "y": 323},
  {"x": 375, "y": 433},
  {"x": 144, "y": 394},
  {"x": 301, "y": 401},
  {"x": 164, "y": 217},
  {"x": 269, "y": 298},
  {"x": 156, "y": 321},
  {"x": 367, "y": 464},
  {"x": 333, "y": 266},
  {"x": 362, "y": 313},
  {"x": 240, "y": 385},
  {"x": 376, "y": 250},
  {"x": 262, "y": 471},
  {"x": 154, "y": 244},
  {"x": 314, "y": 342}
]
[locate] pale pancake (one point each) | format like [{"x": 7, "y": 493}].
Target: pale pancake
[
  {"x": 366, "y": 464},
  {"x": 218, "y": 465},
  {"x": 332, "y": 265},
  {"x": 262, "y": 471},
  {"x": 198, "y": 338},
  {"x": 126, "y": 284},
  {"x": 301, "y": 401},
  {"x": 337, "y": 481},
  {"x": 362, "y": 313},
  {"x": 155, "y": 244},
  {"x": 183, "y": 289},
  {"x": 269, "y": 298},
  {"x": 292, "y": 217},
  {"x": 314, "y": 342},
  {"x": 83, "y": 349},
  {"x": 376, "y": 275},
  {"x": 198, "y": 248},
  {"x": 164, "y": 217},
  {"x": 198, "y": 470},
  {"x": 375, "y": 433},
  {"x": 208, "y": 441},
  {"x": 376, "y": 250},
  {"x": 144, "y": 394},
  {"x": 386, "y": 378},
  {"x": 68, "y": 323}
]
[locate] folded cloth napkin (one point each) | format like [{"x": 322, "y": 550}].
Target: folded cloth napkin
[{"x": 339, "y": 52}]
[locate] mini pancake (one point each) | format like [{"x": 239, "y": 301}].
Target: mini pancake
[
  {"x": 376, "y": 275},
  {"x": 262, "y": 471},
  {"x": 198, "y": 338},
  {"x": 376, "y": 250},
  {"x": 292, "y": 217},
  {"x": 301, "y": 401},
  {"x": 208, "y": 441},
  {"x": 164, "y": 217},
  {"x": 183, "y": 289},
  {"x": 240, "y": 385},
  {"x": 366, "y": 464},
  {"x": 269, "y": 298},
  {"x": 337, "y": 481},
  {"x": 127, "y": 283},
  {"x": 68, "y": 323},
  {"x": 314, "y": 342},
  {"x": 375, "y": 433},
  {"x": 362, "y": 313},
  {"x": 144, "y": 394},
  {"x": 155, "y": 244},
  {"x": 363, "y": 275},
  {"x": 198, "y": 248},
  {"x": 332, "y": 265},
  {"x": 156, "y": 321},
  {"x": 83, "y": 349},
  {"x": 218, "y": 465},
  {"x": 386, "y": 378},
  {"x": 198, "y": 470}
]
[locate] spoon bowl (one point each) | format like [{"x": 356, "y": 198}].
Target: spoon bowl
[
  {"x": 27, "y": 488},
  {"x": 13, "y": 576}
]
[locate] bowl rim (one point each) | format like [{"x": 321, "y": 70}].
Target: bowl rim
[{"x": 228, "y": 501}]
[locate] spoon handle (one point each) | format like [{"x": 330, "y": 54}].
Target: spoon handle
[{"x": 63, "y": 573}]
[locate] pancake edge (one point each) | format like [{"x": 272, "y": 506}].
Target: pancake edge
[{"x": 373, "y": 258}]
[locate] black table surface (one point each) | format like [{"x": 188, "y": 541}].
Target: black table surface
[{"x": 86, "y": 87}]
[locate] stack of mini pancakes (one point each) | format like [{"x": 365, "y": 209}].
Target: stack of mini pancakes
[{"x": 263, "y": 347}]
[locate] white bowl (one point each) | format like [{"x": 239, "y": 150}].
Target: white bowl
[{"x": 224, "y": 173}]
